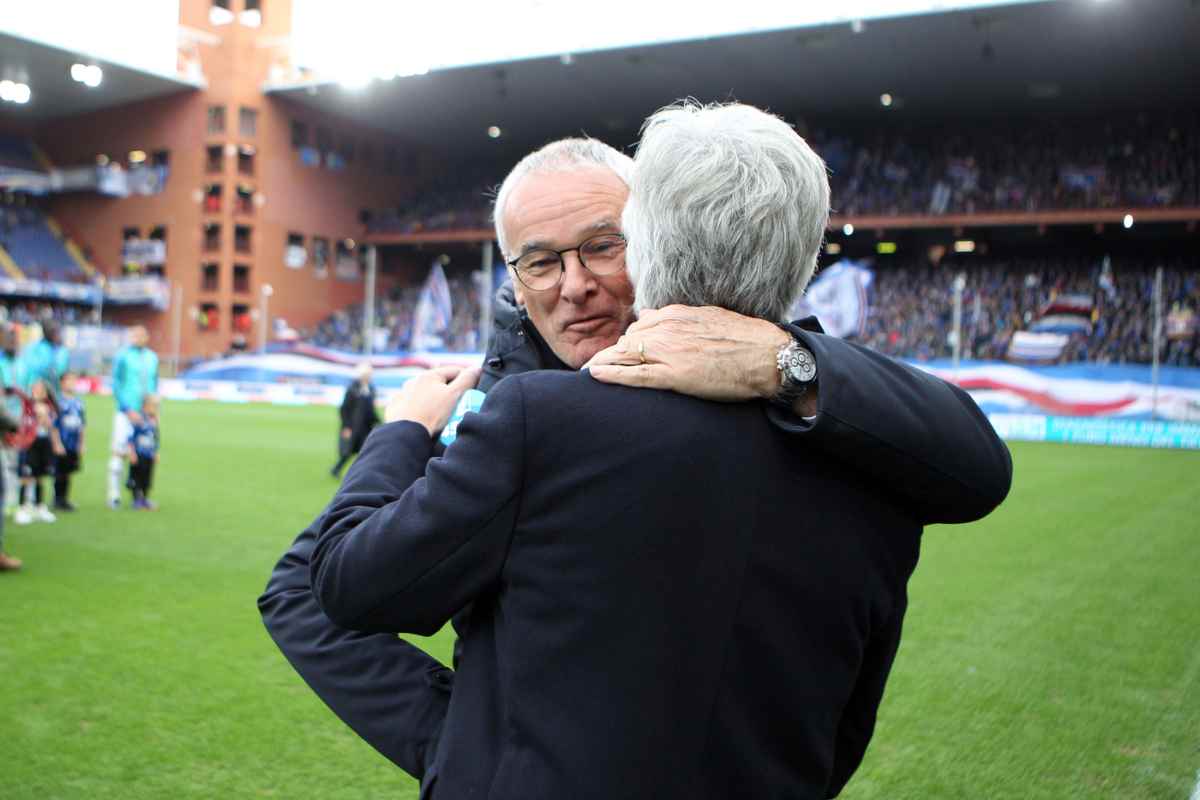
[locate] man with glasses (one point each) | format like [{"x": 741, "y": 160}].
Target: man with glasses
[{"x": 558, "y": 224}]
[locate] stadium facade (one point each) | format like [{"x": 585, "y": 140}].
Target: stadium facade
[{"x": 214, "y": 201}]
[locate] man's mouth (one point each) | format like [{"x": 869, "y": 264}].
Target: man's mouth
[{"x": 588, "y": 324}]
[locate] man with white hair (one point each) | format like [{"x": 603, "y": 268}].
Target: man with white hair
[
  {"x": 667, "y": 597},
  {"x": 357, "y": 415},
  {"x": 922, "y": 441}
]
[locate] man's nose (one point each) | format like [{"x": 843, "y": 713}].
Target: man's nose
[{"x": 577, "y": 281}]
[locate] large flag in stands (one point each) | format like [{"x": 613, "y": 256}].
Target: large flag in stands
[
  {"x": 433, "y": 314},
  {"x": 838, "y": 298}
]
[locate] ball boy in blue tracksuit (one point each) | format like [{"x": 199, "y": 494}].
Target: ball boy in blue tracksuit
[
  {"x": 143, "y": 454},
  {"x": 71, "y": 422}
]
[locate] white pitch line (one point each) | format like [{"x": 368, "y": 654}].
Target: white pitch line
[{"x": 1196, "y": 789}]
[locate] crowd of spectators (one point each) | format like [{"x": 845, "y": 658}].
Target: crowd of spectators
[
  {"x": 458, "y": 198},
  {"x": 912, "y": 308},
  {"x": 343, "y": 330},
  {"x": 1022, "y": 165},
  {"x": 1006, "y": 165},
  {"x": 28, "y": 312}
]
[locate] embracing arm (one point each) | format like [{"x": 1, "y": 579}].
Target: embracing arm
[
  {"x": 909, "y": 430},
  {"x": 397, "y": 555},
  {"x": 920, "y": 437},
  {"x": 390, "y": 692}
]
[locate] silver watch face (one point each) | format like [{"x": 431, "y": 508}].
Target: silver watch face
[{"x": 801, "y": 366}]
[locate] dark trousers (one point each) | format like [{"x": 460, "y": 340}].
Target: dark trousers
[
  {"x": 140, "y": 476},
  {"x": 348, "y": 446},
  {"x": 64, "y": 465}
]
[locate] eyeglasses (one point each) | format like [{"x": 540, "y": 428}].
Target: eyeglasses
[{"x": 540, "y": 270}]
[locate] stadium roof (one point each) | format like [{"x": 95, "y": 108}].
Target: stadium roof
[
  {"x": 1069, "y": 55},
  {"x": 46, "y": 69}
]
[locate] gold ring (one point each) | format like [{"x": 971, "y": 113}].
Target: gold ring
[{"x": 642, "y": 351}]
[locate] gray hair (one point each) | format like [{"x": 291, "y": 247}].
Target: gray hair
[
  {"x": 728, "y": 207},
  {"x": 562, "y": 155}
]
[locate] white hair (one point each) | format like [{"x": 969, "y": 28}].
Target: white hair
[
  {"x": 728, "y": 207},
  {"x": 560, "y": 156}
]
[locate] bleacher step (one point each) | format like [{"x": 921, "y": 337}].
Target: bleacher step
[{"x": 10, "y": 266}]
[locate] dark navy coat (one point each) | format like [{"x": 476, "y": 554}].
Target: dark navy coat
[{"x": 921, "y": 445}]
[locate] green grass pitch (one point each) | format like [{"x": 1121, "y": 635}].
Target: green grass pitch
[{"x": 1050, "y": 651}]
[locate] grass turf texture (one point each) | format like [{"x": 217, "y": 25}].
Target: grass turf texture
[{"x": 1050, "y": 651}]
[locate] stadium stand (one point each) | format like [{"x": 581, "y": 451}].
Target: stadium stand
[
  {"x": 910, "y": 312},
  {"x": 342, "y": 330},
  {"x": 16, "y": 153},
  {"x": 27, "y": 237},
  {"x": 457, "y": 199},
  {"x": 957, "y": 166},
  {"x": 1021, "y": 165},
  {"x": 28, "y": 312}
]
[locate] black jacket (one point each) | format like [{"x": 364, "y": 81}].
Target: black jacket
[
  {"x": 668, "y": 601},
  {"x": 358, "y": 409},
  {"x": 919, "y": 439}
]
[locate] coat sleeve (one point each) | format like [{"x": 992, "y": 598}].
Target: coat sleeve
[
  {"x": 390, "y": 692},
  {"x": 907, "y": 430},
  {"x": 397, "y": 555}
]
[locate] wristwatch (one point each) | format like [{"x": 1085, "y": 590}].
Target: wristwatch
[{"x": 797, "y": 373}]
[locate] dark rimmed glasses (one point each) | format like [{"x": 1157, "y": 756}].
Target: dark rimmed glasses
[{"x": 540, "y": 270}]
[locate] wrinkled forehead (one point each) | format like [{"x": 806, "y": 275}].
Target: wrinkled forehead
[{"x": 555, "y": 207}]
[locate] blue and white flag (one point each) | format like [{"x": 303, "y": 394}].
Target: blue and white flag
[
  {"x": 432, "y": 318},
  {"x": 1031, "y": 346},
  {"x": 1106, "y": 281},
  {"x": 838, "y": 298}
]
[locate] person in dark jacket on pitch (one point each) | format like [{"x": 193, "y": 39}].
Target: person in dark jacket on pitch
[
  {"x": 358, "y": 417},
  {"x": 922, "y": 440}
]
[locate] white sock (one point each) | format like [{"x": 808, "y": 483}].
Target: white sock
[
  {"x": 29, "y": 491},
  {"x": 115, "y": 465},
  {"x": 12, "y": 481}
]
